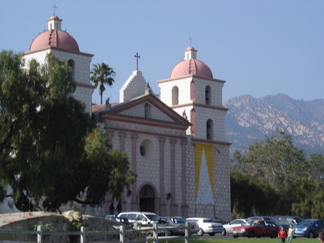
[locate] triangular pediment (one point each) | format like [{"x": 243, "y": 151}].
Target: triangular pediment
[{"x": 146, "y": 109}]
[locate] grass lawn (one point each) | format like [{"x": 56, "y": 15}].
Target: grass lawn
[{"x": 244, "y": 240}]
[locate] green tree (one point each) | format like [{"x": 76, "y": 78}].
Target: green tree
[
  {"x": 102, "y": 74},
  {"x": 46, "y": 156},
  {"x": 250, "y": 197},
  {"x": 272, "y": 160},
  {"x": 280, "y": 167}
]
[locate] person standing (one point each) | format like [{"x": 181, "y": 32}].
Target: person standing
[
  {"x": 119, "y": 208},
  {"x": 112, "y": 209},
  {"x": 321, "y": 236},
  {"x": 282, "y": 234},
  {"x": 291, "y": 233}
]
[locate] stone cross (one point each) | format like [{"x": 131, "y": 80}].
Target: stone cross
[
  {"x": 54, "y": 6},
  {"x": 190, "y": 39},
  {"x": 137, "y": 56}
]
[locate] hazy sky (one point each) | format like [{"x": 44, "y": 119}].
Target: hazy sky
[{"x": 258, "y": 47}]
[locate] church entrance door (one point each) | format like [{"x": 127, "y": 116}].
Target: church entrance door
[{"x": 147, "y": 199}]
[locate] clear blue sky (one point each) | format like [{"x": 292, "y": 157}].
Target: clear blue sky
[{"x": 258, "y": 47}]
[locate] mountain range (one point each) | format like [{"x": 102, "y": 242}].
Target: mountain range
[{"x": 250, "y": 119}]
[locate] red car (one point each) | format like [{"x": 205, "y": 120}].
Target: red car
[{"x": 256, "y": 228}]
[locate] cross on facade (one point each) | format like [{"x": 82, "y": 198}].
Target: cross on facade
[
  {"x": 190, "y": 39},
  {"x": 137, "y": 56},
  {"x": 54, "y": 6}
]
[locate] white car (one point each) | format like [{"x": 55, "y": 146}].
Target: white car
[
  {"x": 144, "y": 218},
  {"x": 228, "y": 227},
  {"x": 207, "y": 225}
]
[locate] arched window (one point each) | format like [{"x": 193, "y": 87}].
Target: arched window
[
  {"x": 175, "y": 95},
  {"x": 72, "y": 71},
  {"x": 209, "y": 129},
  {"x": 208, "y": 95},
  {"x": 147, "y": 110}
]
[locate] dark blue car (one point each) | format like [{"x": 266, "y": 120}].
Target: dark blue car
[{"x": 309, "y": 228}]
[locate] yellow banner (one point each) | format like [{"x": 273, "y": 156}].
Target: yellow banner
[{"x": 204, "y": 173}]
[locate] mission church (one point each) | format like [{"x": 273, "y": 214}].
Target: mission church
[{"x": 175, "y": 143}]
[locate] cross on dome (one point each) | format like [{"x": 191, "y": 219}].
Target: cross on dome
[
  {"x": 190, "y": 39},
  {"x": 55, "y": 7}
]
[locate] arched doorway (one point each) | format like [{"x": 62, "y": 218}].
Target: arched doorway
[{"x": 146, "y": 197}]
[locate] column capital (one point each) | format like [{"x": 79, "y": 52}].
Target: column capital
[
  {"x": 111, "y": 133},
  {"x": 134, "y": 135},
  {"x": 122, "y": 134},
  {"x": 162, "y": 139}
]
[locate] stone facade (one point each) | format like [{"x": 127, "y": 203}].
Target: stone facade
[
  {"x": 167, "y": 167},
  {"x": 161, "y": 136}
]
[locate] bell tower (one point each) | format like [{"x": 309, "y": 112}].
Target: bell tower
[{"x": 192, "y": 91}]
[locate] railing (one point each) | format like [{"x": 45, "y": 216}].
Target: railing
[{"x": 152, "y": 233}]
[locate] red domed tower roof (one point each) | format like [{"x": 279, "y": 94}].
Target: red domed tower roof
[
  {"x": 54, "y": 37},
  {"x": 191, "y": 66}
]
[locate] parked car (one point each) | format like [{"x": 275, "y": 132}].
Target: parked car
[
  {"x": 309, "y": 228},
  {"x": 228, "y": 227},
  {"x": 177, "y": 224},
  {"x": 256, "y": 228},
  {"x": 285, "y": 221},
  {"x": 207, "y": 225},
  {"x": 260, "y": 217},
  {"x": 117, "y": 219},
  {"x": 194, "y": 227},
  {"x": 144, "y": 218}
]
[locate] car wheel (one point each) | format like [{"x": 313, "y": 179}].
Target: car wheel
[
  {"x": 273, "y": 234},
  {"x": 224, "y": 232},
  {"x": 200, "y": 232},
  {"x": 311, "y": 234},
  {"x": 167, "y": 233},
  {"x": 251, "y": 234},
  {"x": 211, "y": 234}
]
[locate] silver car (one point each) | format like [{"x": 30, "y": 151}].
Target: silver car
[
  {"x": 207, "y": 225},
  {"x": 177, "y": 224},
  {"x": 228, "y": 227}
]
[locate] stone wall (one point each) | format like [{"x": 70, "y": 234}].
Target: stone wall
[{"x": 58, "y": 223}]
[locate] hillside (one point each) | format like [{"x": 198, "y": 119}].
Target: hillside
[{"x": 250, "y": 119}]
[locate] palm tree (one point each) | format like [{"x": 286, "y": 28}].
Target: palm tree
[{"x": 102, "y": 73}]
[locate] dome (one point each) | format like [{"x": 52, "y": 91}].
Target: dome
[
  {"x": 191, "y": 67},
  {"x": 54, "y": 38},
  {"x": 54, "y": 17}
]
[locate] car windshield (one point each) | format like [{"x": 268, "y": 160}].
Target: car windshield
[
  {"x": 251, "y": 223},
  {"x": 153, "y": 217},
  {"x": 179, "y": 220},
  {"x": 286, "y": 219},
  {"x": 208, "y": 221},
  {"x": 306, "y": 222}
]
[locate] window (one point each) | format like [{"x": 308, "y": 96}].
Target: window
[
  {"x": 209, "y": 129},
  {"x": 175, "y": 95},
  {"x": 208, "y": 95},
  {"x": 72, "y": 71},
  {"x": 142, "y": 150},
  {"x": 147, "y": 150}
]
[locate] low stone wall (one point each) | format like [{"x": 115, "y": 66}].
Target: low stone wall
[{"x": 57, "y": 223}]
